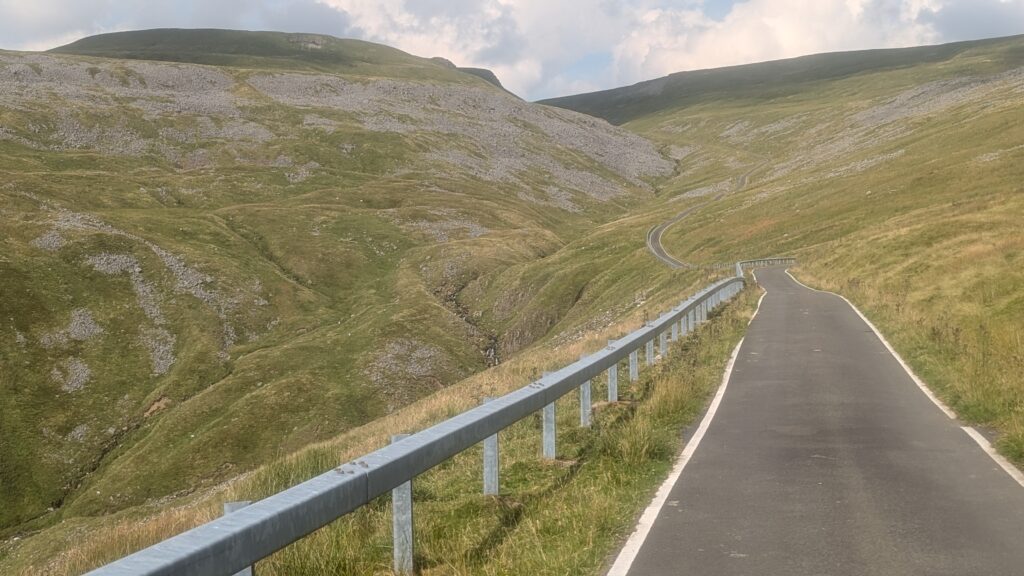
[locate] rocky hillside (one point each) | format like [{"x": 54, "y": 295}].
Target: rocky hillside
[{"x": 204, "y": 266}]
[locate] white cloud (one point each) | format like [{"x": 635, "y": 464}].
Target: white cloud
[{"x": 531, "y": 44}]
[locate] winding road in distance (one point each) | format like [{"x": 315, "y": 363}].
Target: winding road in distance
[
  {"x": 654, "y": 234},
  {"x": 821, "y": 455}
]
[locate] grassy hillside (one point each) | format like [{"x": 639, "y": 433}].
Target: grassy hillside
[
  {"x": 206, "y": 267},
  {"x": 294, "y": 52},
  {"x": 901, "y": 186},
  {"x": 766, "y": 82},
  {"x": 329, "y": 250}
]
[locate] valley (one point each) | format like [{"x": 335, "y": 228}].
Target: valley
[{"x": 226, "y": 269}]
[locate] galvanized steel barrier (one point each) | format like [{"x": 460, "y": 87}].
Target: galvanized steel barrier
[{"x": 237, "y": 540}]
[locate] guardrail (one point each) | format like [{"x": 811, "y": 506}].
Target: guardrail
[{"x": 251, "y": 532}]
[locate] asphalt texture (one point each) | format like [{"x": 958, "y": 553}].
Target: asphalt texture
[{"x": 824, "y": 458}]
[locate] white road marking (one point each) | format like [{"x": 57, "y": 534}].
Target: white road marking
[
  {"x": 643, "y": 527},
  {"x": 987, "y": 447}
]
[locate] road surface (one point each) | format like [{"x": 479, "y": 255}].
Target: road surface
[{"x": 825, "y": 458}]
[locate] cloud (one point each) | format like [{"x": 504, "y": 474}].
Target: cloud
[
  {"x": 535, "y": 45},
  {"x": 542, "y": 48}
]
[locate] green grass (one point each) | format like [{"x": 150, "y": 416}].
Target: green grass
[
  {"x": 274, "y": 50},
  {"x": 562, "y": 517},
  {"x": 925, "y": 241},
  {"x": 321, "y": 281}
]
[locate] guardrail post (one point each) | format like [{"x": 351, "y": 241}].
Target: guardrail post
[
  {"x": 613, "y": 380},
  {"x": 649, "y": 352},
  {"x": 675, "y": 331},
  {"x": 634, "y": 369},
  {"x": 663, "y": 343},
  {"x": 401, "y": 522},
  {"x": 230, "y": 507},
  {"x": 491, "y": 465},
  {"x": 549, "y": 432}
]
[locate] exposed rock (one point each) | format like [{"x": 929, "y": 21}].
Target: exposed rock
[
  {"x": 51, "y": 241},
  {"x": 500, "y": 128},
  {"x": 160, "y": 344},
  {"x": 81, "y": 327},
  {"x": 78, "y": 434},
  {"x": 72, "y": 375}
]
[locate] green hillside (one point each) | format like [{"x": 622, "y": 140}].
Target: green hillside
[
  {"x": 295, "y": 52},
  {"x": 206, "y": 267},
  {"x": 896, "y": 176},
  {"x": 752, "y": 84},
  {"x": 332, "y": 255}
]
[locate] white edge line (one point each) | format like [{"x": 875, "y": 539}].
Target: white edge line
[
  {"x": 631, "y": 549},
  {"x": 906, "y": 368},
  {"x": 987, "y": 447},
  {"x": 1005, "y": 464}
]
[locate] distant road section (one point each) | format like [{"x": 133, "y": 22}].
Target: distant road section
[
  {"x": 825, "y": 458},
  {"x": 654, "y": 234},
  {"x": 654, "y": 240}
]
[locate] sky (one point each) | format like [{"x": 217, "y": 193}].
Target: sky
[{"x": 545, "y": 48}]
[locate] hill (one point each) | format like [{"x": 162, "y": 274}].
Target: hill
[
  {"x": 207, "y": 266},
  {"x": 750, "y": 84},
  {"x": 416, "y": 246},
  {"x": 270, "y": 50},
  {"x": 896, "y": 177}
]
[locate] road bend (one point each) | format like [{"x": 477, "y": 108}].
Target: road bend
[{"x": 824, "y": 458}]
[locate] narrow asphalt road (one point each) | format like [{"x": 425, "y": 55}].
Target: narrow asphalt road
[
  {"x": 654, "y": 240},
  {"x": 654, "y": 234},
  {"x": 824, "y": 458}
]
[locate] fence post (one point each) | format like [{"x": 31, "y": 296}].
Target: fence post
[
  {"x": 634, "y": 369},
  {"x": 491, "y": 465},
  {"x": 401, "y": 522},
  {"x": 230, "y": 507},
  {"x": 613, "y": 380},
  {"x": 549, "y": 432}
]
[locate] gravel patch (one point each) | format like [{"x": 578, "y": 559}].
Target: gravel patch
[
  {"x": 160, "y": 344},
  {"x": 145, "y": 293},
  {"x": 72, "y": 375},
  {"x": 78, "y": 434},
  {"x": 82, "y": 327},
  {"x": 51, "y": 241}
]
